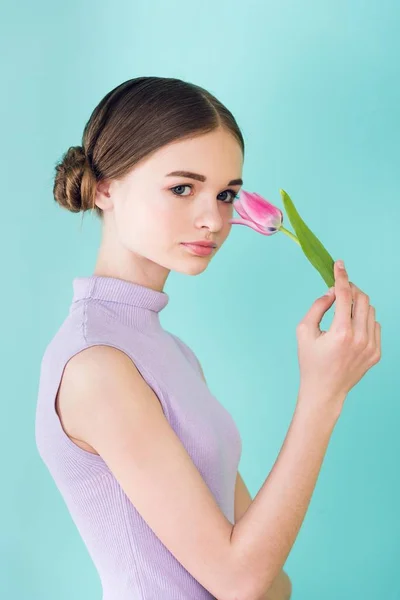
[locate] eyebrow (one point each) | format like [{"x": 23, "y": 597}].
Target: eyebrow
[{"x": 191, "y": 175}]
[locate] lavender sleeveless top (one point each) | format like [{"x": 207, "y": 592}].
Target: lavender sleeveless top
[{"x": 132, "y": 563}]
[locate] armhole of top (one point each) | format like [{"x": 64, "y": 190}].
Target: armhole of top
[{"x": 90, "y": 457}]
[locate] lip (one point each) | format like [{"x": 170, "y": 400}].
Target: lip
[
  {"x": 200, "y": 249},
  {"x": 202, "y": 243}
]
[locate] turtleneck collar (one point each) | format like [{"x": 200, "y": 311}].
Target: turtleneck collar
[
  {"x": 119, "y": 290},
  {"x": 129, "y": 296}
]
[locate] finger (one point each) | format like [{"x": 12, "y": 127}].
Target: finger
[
  {"x": 371, "y": 326},
  {"x": 378, "y": 337},
  {"x": 360, "y": 310},
  {"x": 313, "y": 317},
  {"x": 342, "y": 317}
]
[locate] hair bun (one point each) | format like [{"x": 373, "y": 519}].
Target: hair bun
[{"x": 73, "y": 184}]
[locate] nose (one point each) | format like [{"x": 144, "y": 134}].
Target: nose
[{"x": 209, "y": 216}]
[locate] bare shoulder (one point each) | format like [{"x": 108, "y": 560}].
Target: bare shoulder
[{"x": 93, "y": 366}]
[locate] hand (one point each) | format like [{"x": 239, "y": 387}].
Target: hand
[{"x": 333, "y": 361}]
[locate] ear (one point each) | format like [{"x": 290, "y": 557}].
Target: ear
[{"x": 103, "y": 196}]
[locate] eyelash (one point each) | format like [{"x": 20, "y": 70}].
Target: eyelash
[{"x": 234, "y": 194}]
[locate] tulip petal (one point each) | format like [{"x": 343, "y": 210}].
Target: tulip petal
[
  {"x": 238, "y": 206},
  {"x": 260, "y": 210},
  {"x": 254, "y": 226}
]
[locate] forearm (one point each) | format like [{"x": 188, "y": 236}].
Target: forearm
[{"x": 263, "y": 537}]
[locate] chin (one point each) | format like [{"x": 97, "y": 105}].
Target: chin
[{"x": 194, "y": 267}]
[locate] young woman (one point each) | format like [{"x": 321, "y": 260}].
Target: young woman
[{"x": 145, "y": 457}]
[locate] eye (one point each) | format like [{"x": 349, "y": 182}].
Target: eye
[
  {"x": 177, "y": 188},
  {"x": 234, "y": 196}
]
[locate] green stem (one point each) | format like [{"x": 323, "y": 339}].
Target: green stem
[{"x": 290, "y": 234}]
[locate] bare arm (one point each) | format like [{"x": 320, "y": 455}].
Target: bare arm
[
  {"x": 106, "y": 403},
  {"x": 281, "y": 588},
  {"x": 263, "y": 537}
]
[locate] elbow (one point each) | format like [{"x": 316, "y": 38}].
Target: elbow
[
  {"x": 280, "y": 589},
  {"x": 244, "y": 589},
  {"x": 245, "y": 595},
  {"x": 239, "y": 580},
  {"x": 288, "y": 587},
  {"x": 238, "y": 583},
  {"x": 238, "y": 588},
  {"x": 246, "y": 582}
]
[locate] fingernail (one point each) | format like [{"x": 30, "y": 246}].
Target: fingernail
[
  {"x": 329, "y": 292},
  {"x": 340, "y": 264}
]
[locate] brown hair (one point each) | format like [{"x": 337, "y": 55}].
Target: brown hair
[{"x": 133, "y": 120}]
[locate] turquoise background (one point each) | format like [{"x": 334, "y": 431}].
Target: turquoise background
[{"x": 315, "y": 88}]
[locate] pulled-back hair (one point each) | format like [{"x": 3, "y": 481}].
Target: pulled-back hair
[{"x": 133, "y": 120}]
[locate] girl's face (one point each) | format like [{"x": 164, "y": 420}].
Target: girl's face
[{"x": 151, "y": 213}]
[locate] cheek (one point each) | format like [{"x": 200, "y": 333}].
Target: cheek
[
  {"x": 146, "y": 226},
  {"x": 133, "y": 225},
  {"x": 226, "y": 217},
  {"x": 168, "y": 223}
]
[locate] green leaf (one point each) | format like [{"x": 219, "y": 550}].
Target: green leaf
[{"x": 316, "y": 253}]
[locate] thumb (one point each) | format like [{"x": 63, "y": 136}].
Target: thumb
[{"x": 313, "y": 317}]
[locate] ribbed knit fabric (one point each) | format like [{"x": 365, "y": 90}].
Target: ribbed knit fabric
[{"x": 133, "y": 564}]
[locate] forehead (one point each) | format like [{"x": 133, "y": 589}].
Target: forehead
[{"x": 215, "y": 154}]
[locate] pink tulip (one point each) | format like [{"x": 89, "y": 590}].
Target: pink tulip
[
  {"x": 259, "y": 214},
  {"x": 266, "y": 218}
]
